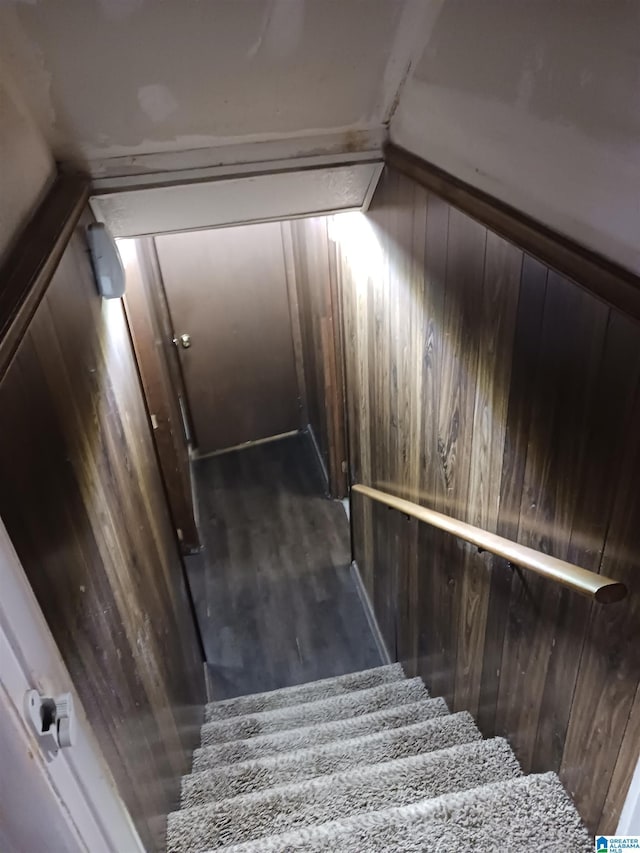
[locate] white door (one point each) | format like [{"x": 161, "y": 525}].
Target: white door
[{"x": 69, "y": 803}]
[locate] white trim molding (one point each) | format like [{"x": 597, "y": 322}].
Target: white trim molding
[
  {"x": 363, "y": 595},
  {"x": 72, "y": 803},
  {"x": 629, "y": 823},
  {"x": 319, "y": 457},
  {"x": 237, "y": 159}
]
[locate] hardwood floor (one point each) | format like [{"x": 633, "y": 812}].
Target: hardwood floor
[{"x": 275, "y": 598}]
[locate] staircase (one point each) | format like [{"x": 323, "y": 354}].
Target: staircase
[{"x": 362, "y": 763}]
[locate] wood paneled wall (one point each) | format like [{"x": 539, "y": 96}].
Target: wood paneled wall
[
  {"x": 489, "y": 387},
  {"x": 82, "y": 499},
  {"x": 315, "y": 270}
]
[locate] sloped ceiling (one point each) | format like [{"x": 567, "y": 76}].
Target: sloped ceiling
[
  {"x": 114, "y": 79},
  {"x": 535, "y": 102},
  {"x": 538, "y": 104}
]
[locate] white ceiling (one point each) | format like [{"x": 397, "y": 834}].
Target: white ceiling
[
  {"x": 535, "y": 102},
  {"x": 538, "y": 104},
  {"x": 114, "y": 79}
]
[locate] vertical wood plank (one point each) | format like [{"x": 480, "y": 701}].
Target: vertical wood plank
[
  {"x": 466, "y": 249},
  {"x": 622, "y": 772},
  {"x": 314, "y": 261},
  {"x": 410, "y": 421},
  {"x": 563, "y": 393},
  {"x": 524, "y": 357},
  {"x": 609, "y": 670},
  {"x": 507, "y": 403},
  {"x": 614, "y": 391},
  {"x": 83, "y": 502},
  {"x": 496, "y": 320},
  {"x": 338, "y": 408},
  {"x": 432, "y": 483},
  {"x": 294, "y": 313}
]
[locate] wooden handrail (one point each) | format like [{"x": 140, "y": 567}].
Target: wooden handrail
[{"x": 604, "y": 590}]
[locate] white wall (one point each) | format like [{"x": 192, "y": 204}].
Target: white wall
[
  {"x": 538, "y": 103},
  {"x": 116, "y": 78},
  {"x": 629, "y": 823},
  {"x": 26, "y": 164}
]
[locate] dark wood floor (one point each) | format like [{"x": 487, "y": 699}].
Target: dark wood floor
[{"x": 275, "y": 599}]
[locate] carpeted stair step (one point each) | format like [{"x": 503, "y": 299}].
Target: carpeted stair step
[
  {"x": 263, "y": 746},
  {"x": 313, "y": 691},
  {"x": 335, "y": 708},
  {"x": 317, "y": 801},
  {"x": 335, "y": 757},
  {"x": 529, "y": 814}
]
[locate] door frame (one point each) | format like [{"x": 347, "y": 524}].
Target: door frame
[
  {"x": 629, "y": 823},
  {"x": 73, "y": 798},
  {"x": 163, "y": 389}
]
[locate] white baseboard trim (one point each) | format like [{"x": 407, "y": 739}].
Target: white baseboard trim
[
  {"x": 320, "y": 458},
  {"x": 196, "y": 456},
  {"x": 346, "y": 503},
  {"x": 371, "y": 616},
  {"x": 629, "y": 823},
  {"x": 207, "y": 682}
]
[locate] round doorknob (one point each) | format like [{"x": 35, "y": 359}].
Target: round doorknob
[{"x": 185, "y": 341}]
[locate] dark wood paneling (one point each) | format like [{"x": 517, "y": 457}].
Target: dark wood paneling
[
  {"x": 227, "y": 289},
  {"x": 602, "y": 734},
  {"x": 523, "y": 360},
  {"x": 276, "y": 600},
  {"x": 144, "y": 304},
  {"x": 486, "y": 385},
  {"x": 494, "y": 327},
  {"x": 603, "y": 430},
  {"x": 28, "y": 269},
  {"x": 316, "y": 273},
  {"x": 294, "y": 312},
  {"x": 82, "y": 499},
  {"x": 617, "y": 285},
  {"x": 554, "y": 462}
]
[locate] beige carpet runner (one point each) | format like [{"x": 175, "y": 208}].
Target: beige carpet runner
[{"x": 362, "y": 763}]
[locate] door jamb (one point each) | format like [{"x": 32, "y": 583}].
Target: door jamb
[{"x": 629, "y": 823}]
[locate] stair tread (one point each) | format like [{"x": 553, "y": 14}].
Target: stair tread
[
  {"x": 278, "y": 743},
  {"x": 337, "y": 756},
  {"x": 528, "y": 814},
  {"x": 343, "y": 706},
  {"x": 300, "y": 693},
  {"x": 315, "y": 801}
]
